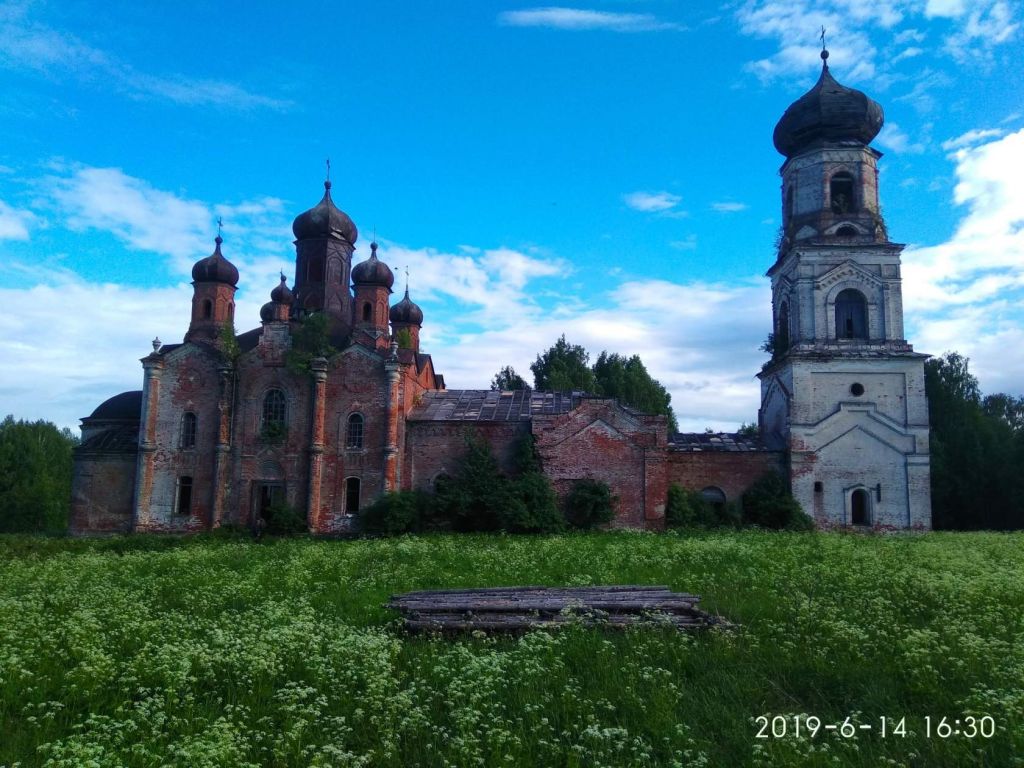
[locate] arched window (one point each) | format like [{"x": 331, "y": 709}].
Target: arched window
[
  {"x": 274, "y": 408},
  {"x": 315, "y": 273},
  {"x": 231, "y": 310},
  {"x": 207, "y": 309},
  {"x": 188, "y": 430},
  {"x": 782, "y": 332},
  {"x": 841, "y": 193},
  {"x": 352, "y": 495},
  {"x": 183, "y": 505},
  {"x": 354, "y": 432},
  {"x": 714, "y": 497},
  {"x": 367, "y": 312},
  {"x": 846, "y": 231},
  {"x": 851, "y": 315},
  {"x": 860, "y": 507}
]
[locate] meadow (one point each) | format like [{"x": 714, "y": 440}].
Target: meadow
[{"x": 225, "y": 652}]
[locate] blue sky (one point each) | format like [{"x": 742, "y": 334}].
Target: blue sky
[{"x": 604, "y": 170}]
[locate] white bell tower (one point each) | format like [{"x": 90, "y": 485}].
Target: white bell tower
[{"x": 844, "y": 391}]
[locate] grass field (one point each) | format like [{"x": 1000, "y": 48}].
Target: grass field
[{"x": 218, "y": 652}]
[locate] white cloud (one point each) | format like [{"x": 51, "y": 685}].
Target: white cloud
[
  {"x": 972, "y": 136},
  {"x": 14, "y": 223},
  {"x": 894, "y": 139},
  {"x": 583, "y": 19},
  {"x": 909, "y": 36},
  {"x": 982, "y": 31},
  {"x": 651, "y": 202},
  {"x": 729, "y": 207},
  {"x": 945, "y": 8},
  {"x": 28, "y": 45},
  {"x": 908, "y": 53}
]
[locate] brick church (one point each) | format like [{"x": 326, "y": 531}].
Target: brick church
[{"x": 226, "y": 425}]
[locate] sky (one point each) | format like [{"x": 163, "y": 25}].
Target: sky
[{"x": 603, "y": 170}]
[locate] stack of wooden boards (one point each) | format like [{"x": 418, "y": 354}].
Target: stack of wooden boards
[{"x": 511, "y": 609}]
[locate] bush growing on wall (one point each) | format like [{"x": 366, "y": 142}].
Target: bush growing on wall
[
  {"x": 396, "y": 512},
  {"x": 589, "y": 503},
  {"x": 686, "y": 508},
  {"x": 769, "y": 504}
]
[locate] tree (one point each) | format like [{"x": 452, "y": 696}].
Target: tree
[
  {"x": 589, "y": 503},
  {"x": 564, "y": 367},
  {"x": 507, "y": 380},
  {"x": 628, "y": 380},
  {"x": 35, "y": 476},
  {"x": 312, "y": 339}
]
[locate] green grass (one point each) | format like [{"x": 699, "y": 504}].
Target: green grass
[{"x": 218, "y": 652}]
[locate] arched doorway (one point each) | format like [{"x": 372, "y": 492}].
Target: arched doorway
[{"x": 860, "y": 507}]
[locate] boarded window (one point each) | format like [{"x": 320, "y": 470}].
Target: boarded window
[
  {"x": 354, "y": 432},
  {"x": 860, "y": 507},
  {"x": 274, "y": 408},
  {"x": 851, "y": 315},
  {"x": 184, "y": 505},
  {"x": 188, "y": 430},
  {"x": 352, "y": 495}
]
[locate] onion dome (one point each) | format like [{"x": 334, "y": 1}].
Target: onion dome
[
  {"x": 373, "y": 271},
  {"x": 406, "y": 312},
  {"x": 829, "y": 113},
  {"x": 282, "y": 294},
  {"x": 127, "y": 405},
  {"x": 325, "y": 219},
  {"x": 215, "y": 268}
]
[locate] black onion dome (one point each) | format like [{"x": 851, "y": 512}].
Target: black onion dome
[
  {"x": 373, "y": 271},
  {"x": 828, "y": 113},
  {"x": 267, "y": 312},
  {"x": 282, "y": 294},
  {"x": 324, "y": 220},
  {"x": 406, "y": 311},
  {"x": 215, "y": 268},
  {"x": 127, "y": 405}
]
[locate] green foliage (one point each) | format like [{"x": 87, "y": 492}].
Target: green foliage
[
  {"x": 186, "y": 652},
  {"x": 686, "y": 508},
  {"x": 310, "y": 340},
  {"x": 283, "y": 520},
  {"x": 977, "y": 450},
  {"x": 748, "y": 430},
  {"x": 396, "y": 512},
  {"x": 507, "y": 380},
  {"x": 628, "y": 380},
  {"x": 35, "y": 476},
  {"x": 273, "y": 432},
  {"x": 228, "y": 343},
  {"x": 404, "y": 338},
  {"x": 589, "y": 503},
  {"x": 562, "y": 368},
  {"x": 769, "y": 504}
]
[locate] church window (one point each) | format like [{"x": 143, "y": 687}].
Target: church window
[
  {"x": 782, "y": 332},
  {"x": 714, "y": 497},
  {"x": 846, "y": 231},
  {"x": 851, "y": 315},
  {"x": 231, "y": 310},
  {"x": 273, "y": 408},
  {"x": 860, "y": 507},
  {"x": 188, "y": 430},
  {"x": 183, "y": 505},
  {"x": 856, "y": 389},
  {"x": 841, "y": 193},
  {"x": 354, "y": 433},
  {"x": 352, "y": 495},
  {"x": 367, "y": 312},
  {"x": 207, "y": 309},
  {"x": 316, "y": 270}
]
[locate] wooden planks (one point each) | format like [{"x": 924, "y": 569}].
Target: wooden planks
[{"x": 513, "y": 609}]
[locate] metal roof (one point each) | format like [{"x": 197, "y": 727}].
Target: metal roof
[{"x": 490, "y": 405}]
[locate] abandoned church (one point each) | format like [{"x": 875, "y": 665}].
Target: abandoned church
[{"x": 226, "y": 425}]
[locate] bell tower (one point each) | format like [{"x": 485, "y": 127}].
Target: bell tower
[{"x": 844, "y": 391}]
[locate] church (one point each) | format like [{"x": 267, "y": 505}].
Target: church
[{"x": 228, "y": 424}]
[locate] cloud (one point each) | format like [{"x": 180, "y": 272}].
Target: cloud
[
  {"x": 651, "y": 202},
  {"x": 908, "y": 53},
  {"x": 972, "y": 136},
  {"x": 14, "y": 223},
  {"x": 965, "y": 292},
  {"x": 982, "y": 31},
  {"x": 945, "y": 8},
  {"x": 729, "y": 207},
  {"x": 32, "y": 46},
  {"x": 581, "y": 19},
  {"x": 894, "y": 139}
]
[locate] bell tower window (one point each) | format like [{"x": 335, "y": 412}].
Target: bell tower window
[
  {"x": 851, "y": 315},
  {"x": 367, "y": 312},
  {"x": 782, "y": 332},
  {"x": 841, "y": 193},
  {"x": 207, "y": 309}
]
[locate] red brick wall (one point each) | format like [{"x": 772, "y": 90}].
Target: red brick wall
[
  {"x": 733, "y": 472},
  {"x": 102, "y": 488}
]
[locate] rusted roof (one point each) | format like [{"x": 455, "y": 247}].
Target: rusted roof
[
  {"x": 122, "y": 439},
  {"x": 717, "y": 441},
  {"x": 489, "y": 405}
]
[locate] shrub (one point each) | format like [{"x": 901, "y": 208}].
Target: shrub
[
  {"x": 769, "y": 504},
  {"x": 686, "y": 508},
  {"x": 589, "y": 503},
  {"x": 537, "y": 508},
  {"x": 396, "y": 512},
  {"x": 283, "y": 520}
]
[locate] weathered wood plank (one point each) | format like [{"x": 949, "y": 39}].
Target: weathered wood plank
[{"x": 545, "y": 604}]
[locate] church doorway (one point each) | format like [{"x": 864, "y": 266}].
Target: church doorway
[
  {"x": 268, "y": 495},
  {"x": 860, "y": 503}
]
